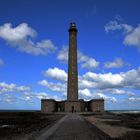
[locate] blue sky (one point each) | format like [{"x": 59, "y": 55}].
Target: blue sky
[{"x": 33, "y": 51}]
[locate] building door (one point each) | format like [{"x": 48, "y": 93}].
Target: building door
[
  {"x": 86, "y": 109},
  {"x": 59, "y": 109},
  {"x": 72, "y": 109}
]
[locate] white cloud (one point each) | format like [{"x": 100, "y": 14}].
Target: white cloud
[
  {"x": 1, "y": 62},
  {"x": 38, "y": 95},
  {"x": 82, "y": 57},
  {"x": 114, "y": 25},
  {"x": 87, "y": 62},
  {"x": 85, "y": 92},
  {"x": 101, "y": 84},
  {"x": 22, "y": 31},
  {"x": 133, "y": 38},
  {"x": 85, "y": 83},
  {"x": 105, "y": 97},
  {"x": 108, "y": 80},
  {"x": 134, "y": 99},
  {"x": 63, "y": 54},
  {"x": 104, "y": 83},
  {"x": 20, "y": 38},
  {"x": 40, "y": 48},
  {"x": 25, "y": 98},
  {"x": 131, "y": 34},
  {"x": 116, "y": 91},
  {"x": 56, "y": 73},
  {"x": 90, "y": 64},
  {"x": 58, "y": 87},
  {"x": 119, "y": 91},
  {"x": 9, "y": 92},
  {"x": 84, "y": 60},
  {"x": 117, "y": 63},
  {"x": 42, "y": 95},
  {"x": 129, "y": 79},
  {"x": 4, "y": 87},
  {"x": 132, "y": 78},
  {"x": 28, "y": 97}
]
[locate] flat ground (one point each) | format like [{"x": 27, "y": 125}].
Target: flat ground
[
  {"x": 25, "y": 125},
  {"x": 117, "y": 126},
  {"x": 73, "y": 127},
  {"x": 58, "y": 126}
]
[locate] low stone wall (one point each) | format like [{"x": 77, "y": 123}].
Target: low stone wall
[
  {"x": 75, "y": 104},
  {"x": 48, "y": 105},
  {"x": 97, "y": 105}
]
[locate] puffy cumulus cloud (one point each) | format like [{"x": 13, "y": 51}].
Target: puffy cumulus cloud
[
  {"x": 85, "y": 92},
  {"x": 131, "y": 34},
  {"x": 96, "y": 85},
  {"x": 43, "y": 95},
  {"x": 83, "y": 83},
  {"x": 108, "y": 80},
  {"x": 129, "y": 79},
  {"x": 90, "y": 64},
  {"x": 87, "y": 62},
  {"x": 38, "y": 95},
  {"x": 20, "y": 38},
  {"x": 40, "y": 48},
  {"x": 114, "y": 25},
  {"x": 119, "y": 91},
  {"x": 4, "y": 88},
  {"x": 133, "y": 38},
  {"x": 82, "y": 57},
  {"x": 118, "y": 83},
  {"x": 28, "y": 97},
  {"x": 58, "y": 87},
  {"x": 62, "y": 87},
  {"x": 84, "y": 60},
  {"x": 117, "y": 63},
  {"x": 9, "y": 93},
  {"x": 116, "y": 91},
  {"x": 1, "y": 62},
  {"x": 22, "y": 31},
  {"x": 63, "y": 54},
  {"x": 105, "y": 97},
  {"x": 56, "y": 73}
]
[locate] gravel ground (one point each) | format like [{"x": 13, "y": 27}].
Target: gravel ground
[
  {"x": 118, "y": 126},
  {"x": 24, "y": 125}
]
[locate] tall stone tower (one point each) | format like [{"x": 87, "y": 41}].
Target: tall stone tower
[
  {"x": 72, "y": 103},
  {"x": 72, "y": 87}
]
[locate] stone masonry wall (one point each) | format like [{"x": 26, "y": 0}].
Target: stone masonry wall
[
  {"x": 48, "y": 105},
  {"x": 97, "y": 105},
  {"x": 75, "y": 104}
]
